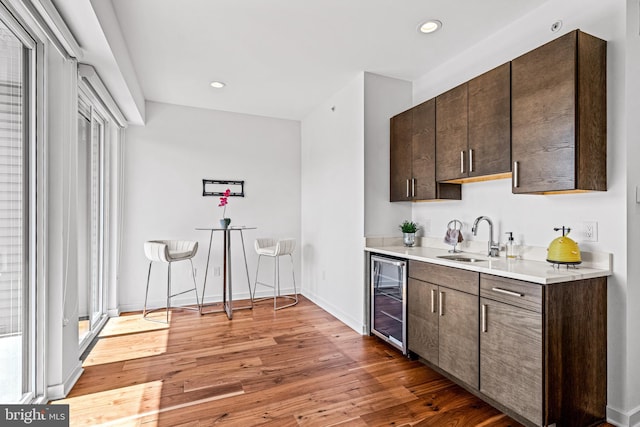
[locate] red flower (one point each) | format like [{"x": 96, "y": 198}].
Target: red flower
[{"x": 224, "y": 201}]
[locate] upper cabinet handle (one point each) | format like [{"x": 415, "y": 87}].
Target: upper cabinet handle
[
  {"x": 516, "y": 180},
  {"x": 462, "y": 162},
  {"x": 408, "y": 189},
  {"x": 470, "y": 160},
  {"x": 413, "y": 187}
]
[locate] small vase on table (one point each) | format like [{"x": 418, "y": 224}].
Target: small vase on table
[{"x": 224, "y": 223}]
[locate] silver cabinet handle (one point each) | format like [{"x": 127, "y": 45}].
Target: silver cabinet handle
[
  {"x": 440, "y": 308},
  {"x": 516, "y": 179},
  {"x": 470, "y": 160},
  {"x": 433, "y": 300},
  {"x": 407, "y": 188},
  {"x": 483, "y": 316},
  {"x": 462, "y": 162},
  {"x": 507, "y": 292},
  {"x": 413, "y": 187}
]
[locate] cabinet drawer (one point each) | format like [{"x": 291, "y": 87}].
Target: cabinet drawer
[
  {"x": 454, "y": 278},
  {"x": 522, "y": 294}
]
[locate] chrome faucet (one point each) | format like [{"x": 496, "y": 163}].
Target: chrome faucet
[{"x": 493, "y": 247}]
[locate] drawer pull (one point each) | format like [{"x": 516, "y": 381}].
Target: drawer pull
[
  {"x": 483, "y": 313},
  {"x": 506, "y": 292}
]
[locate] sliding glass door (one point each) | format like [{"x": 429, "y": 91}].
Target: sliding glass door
[
  {"x": 91, "y": 129},
  {"x": 17, "y": 295}
]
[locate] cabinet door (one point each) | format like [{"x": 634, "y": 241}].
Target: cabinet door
[
  {"x": 422, "y": 319},
  {"x": 451, "y": 134},
  {"x": 458, "y": 334},
  {"x": 401, "y": 128},
  {"x": 490, "y": 122},
  {"x": 424, "y": 151},
  {"x": 544, "y": 117},
  {"x": 511, "y": 357}
]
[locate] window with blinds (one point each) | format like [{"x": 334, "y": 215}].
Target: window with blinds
[
  {"x": 13, "y": 214},
  {"x": 90, "y": 217}
]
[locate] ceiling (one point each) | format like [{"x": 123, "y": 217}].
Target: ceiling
[{"x": 281, "y": 58}]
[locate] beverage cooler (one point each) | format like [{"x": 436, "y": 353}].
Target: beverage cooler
[{"x": 388, "y": 300}]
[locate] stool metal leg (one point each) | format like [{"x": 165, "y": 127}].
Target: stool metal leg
[
  {"x": 276, "y": 281},
  {"x": 277, "y": 292},
  {"x": 195, "y": 285},
  {"x": 168, "y": 291},
  {"x": 146, "y": 311},
  {"x": 146, "y": 294},
  {"x": 255, "y": 285}
]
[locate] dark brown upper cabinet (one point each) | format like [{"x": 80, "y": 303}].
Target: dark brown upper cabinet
[
  {"x": 473, "y": 128},
  {"x": 559, "y": 100},
  {"x": 412, "y": 155}
]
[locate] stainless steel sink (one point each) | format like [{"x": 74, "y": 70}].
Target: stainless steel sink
[{"x": 462, "y": 258}]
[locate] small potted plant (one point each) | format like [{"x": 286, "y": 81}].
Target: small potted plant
[{"x": 409, "y": 229}]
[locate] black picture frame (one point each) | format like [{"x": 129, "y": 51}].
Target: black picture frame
[{"x": 213, "y": 187}]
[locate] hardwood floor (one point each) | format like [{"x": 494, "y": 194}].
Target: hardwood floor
[{"x": 298, "y": 366}]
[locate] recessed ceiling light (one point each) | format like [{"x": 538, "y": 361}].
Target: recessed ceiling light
[
  {"x": 217, "y": 85},
  {"x": 430, "y": 26}
]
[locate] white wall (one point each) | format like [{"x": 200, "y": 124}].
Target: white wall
[
  {"x": 333, "y": 204},
  {"x": 165, "y": 162},
  {"x": 632, "y": 83},
  {"x": 345, "y": 190},
  {"x": 384, "y": 97},
  {"x": 532, "y": 217}
]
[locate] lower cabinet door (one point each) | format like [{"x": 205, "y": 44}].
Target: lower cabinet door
[
  {"x": 511, "y": 357},
  {"x": 422, "y": 322},
  {"x": 458, "y": 334}
]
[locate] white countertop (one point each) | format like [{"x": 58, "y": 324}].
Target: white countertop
[{"x": 540, "y": 272}]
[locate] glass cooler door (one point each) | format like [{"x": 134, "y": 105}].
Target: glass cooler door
[{"x": 388, "y": 287}]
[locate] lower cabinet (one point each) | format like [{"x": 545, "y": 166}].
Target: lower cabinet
[
  {"x": 511, "y": 357},
  {"x": 536, "y": 351},
  {"x": 422, "y": 319},
  {"x": 442, "y": 324},
  {"x": 458, "y": 335}
]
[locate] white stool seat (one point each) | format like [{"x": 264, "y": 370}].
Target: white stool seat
[
  {"x": 268, "y": 251},
  {"x": 275, "y": 249},
  {"x": 169, "y": 251}
]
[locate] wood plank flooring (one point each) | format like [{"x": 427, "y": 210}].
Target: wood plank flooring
[{"x": 295, "y": 367}]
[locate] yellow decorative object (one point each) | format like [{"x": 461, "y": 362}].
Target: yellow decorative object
[{"x": 564, "y": 250}]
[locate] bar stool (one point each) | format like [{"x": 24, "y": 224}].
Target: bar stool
[
  {"x": 170, "y": 251},
  {"x": 275, "y": 249}
]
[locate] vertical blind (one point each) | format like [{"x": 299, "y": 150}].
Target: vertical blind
[
  {"x": 13, "y": 216},
  {"x": 12, "y": 212}
]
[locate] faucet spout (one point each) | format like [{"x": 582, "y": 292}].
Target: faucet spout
[{"x": 493, "y": 248}]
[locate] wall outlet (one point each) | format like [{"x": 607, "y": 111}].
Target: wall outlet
[
  {"x": 590, "y": 231},
  {"x": 216, "y": 271}
]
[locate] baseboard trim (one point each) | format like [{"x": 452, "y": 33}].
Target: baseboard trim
[
  {"x": 60, "y": 391},
  {"x": 623, "y": 419},
  {"x": 348, "y": 320}
]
